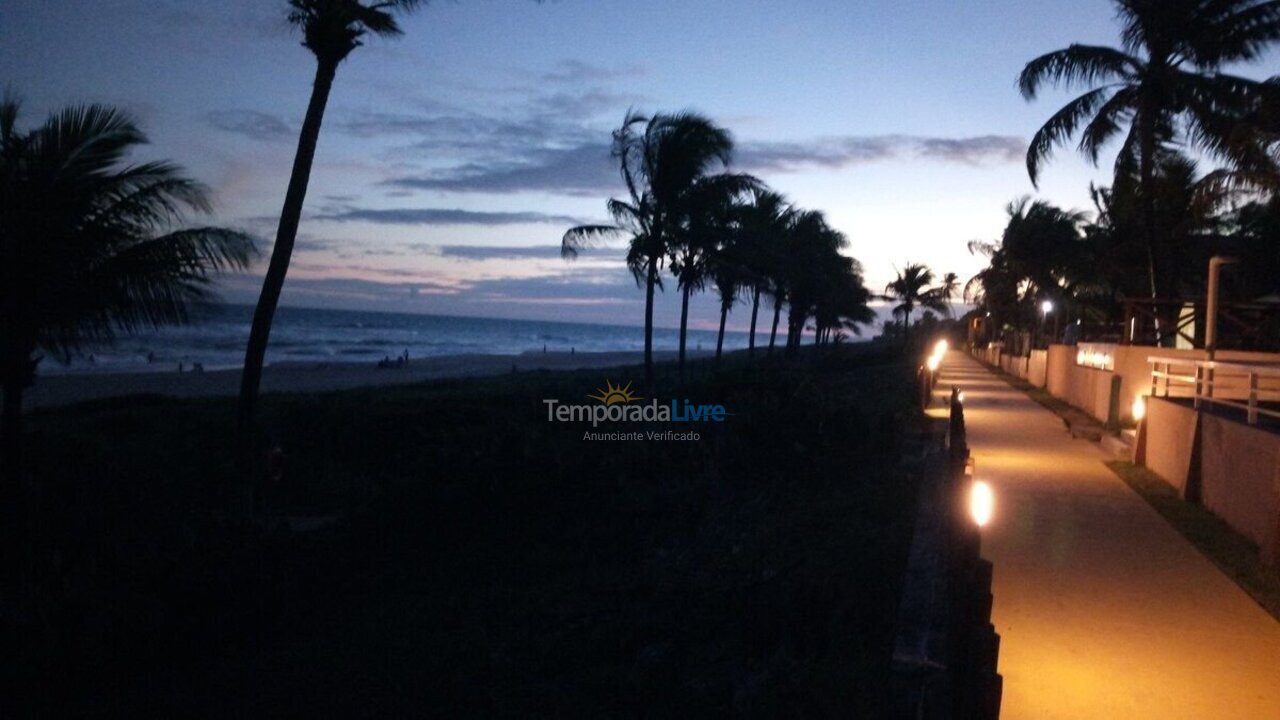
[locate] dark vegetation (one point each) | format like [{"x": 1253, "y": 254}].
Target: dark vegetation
[{"x": 478, "y": 560}]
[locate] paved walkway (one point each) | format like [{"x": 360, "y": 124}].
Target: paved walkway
[{"x": 1104, "y": 610}]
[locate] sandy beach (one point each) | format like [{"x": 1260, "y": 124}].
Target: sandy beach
[{"x": 55, "y": 390}]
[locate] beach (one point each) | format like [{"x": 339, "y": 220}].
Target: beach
[{"x": 65, "y": 389}]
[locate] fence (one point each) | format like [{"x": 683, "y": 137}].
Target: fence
[{"x": 1227, "y": 384}]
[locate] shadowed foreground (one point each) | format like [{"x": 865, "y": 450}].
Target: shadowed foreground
[{"x": 481, "y": 560}]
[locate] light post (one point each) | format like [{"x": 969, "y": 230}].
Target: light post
[{"x": 1046, "y": 308}]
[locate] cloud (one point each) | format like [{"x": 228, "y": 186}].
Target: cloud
[
  {"x": 973, "y": 150},
  {"x": 491, "y": 252},
  {"x": 251, "y": 124},
  {"x": 583, "y": 170},
  {"x": 576, "y": 71},
  {"x": 852, "y": 150},
  {"x": 587, "y": 169},
  {"x": 444, "y": 216}
]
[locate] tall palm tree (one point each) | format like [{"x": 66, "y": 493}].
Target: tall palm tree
[
  {"x": 331, "y": 29},
  {"x": 666, "y": 162},
  {"x": 911, "y": 289},
  {"x": 706, "y": 220},
  {"x": 811, "y": 247},
  {"x": 1165, "y": 83},
  {"x": 841, "y": 301},
  {"x": 947, "y": 290},
  {"x": 762, "y": 223},
  {"x": 90, "y": 246}
]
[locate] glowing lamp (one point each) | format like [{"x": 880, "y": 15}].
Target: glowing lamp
[
  {"x": 933, "y": 362},
  {"x": 982, "y": 503},
  {"x": 960, "y": 397},
  {"x": 1139, "y": 409},
  {"x": 1046, "y": 307},
  {"x": 941, "y": 348}
]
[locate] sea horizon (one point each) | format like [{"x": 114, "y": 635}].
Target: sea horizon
[{"x": 216, "y": 338}]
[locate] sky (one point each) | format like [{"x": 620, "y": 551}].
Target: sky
[{"x": 452, "y": 159}]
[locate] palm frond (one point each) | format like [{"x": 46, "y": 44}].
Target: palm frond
[{"x": 1077, "y": 65}]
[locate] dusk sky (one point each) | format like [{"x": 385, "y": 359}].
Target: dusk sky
[{"x": 453, "y": 158}]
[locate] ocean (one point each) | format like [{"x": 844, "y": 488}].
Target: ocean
[{"x": 217, "y": 336}]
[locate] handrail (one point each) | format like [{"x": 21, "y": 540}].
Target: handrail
[
  {"x": 1214, "y": 373},
  {"x": 1264, "y": 369}
]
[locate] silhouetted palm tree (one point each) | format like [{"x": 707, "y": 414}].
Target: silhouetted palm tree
[
  {"x": 707, "y": 216},
  {"x": 762, "y": 224},
  {"x": 810, "y": 249},
  {"x": 1165, "y": 83},
  {"x": 331, "y": 29},
  {"x": 947, "y": 290},
  {"x": 87, "y": 245},
  {"x": 841, "y": 301},
  {"x": 666, "y": 163},
  {"x": 911, "y": 289}
]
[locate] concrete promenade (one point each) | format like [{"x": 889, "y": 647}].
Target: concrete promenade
[{"x": 1104, "y": 610}]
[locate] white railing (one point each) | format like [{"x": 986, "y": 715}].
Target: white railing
[{"x": 1230, "y": 384}]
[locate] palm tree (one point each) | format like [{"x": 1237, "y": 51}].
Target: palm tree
[
  {"x": 90, "y": 246},
  {"x": 911, "y": 290},
  {"x": 1165, "y": 83},
  {"x": 947, "y": 290},
  {"x": 811, "y": 247},
  {"x": 729, "y": 268},
  {"x": 762, "y": 223},
  {"x": 331, "y": 29},
  {"x": 706, "y": 219},
  {"x": 666, "y": 161},
  {"x": 841, "y": 301}
]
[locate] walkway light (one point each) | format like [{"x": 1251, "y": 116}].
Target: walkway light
[
  {"x": 982, "y": 503},
  {"x": 1139, "y": 409},
  {"x": 941, "y": 348},
  {"x": 933, "y": 362},
  {"x": 1046, "y": 307}
]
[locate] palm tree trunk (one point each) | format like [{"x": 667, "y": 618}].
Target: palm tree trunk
[
  {"x": 684, "y": 325},
  {"x": 724, "y": 314},
  {"x": 777, "y": 315},
  {"x": 11, "y": 437},
  {"x": 755, "y": 310},
  {"x": 286, "y": 233},
  {"x": 1147, "y": 175},
  {"x": 651, "y": 282}
]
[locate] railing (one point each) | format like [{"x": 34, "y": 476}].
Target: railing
[{"x": 1234, "y": 385}]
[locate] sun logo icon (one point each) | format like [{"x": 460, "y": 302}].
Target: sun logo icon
[{"x": 612, "y": 395}]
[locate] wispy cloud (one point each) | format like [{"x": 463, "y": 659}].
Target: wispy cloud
[
  {"x": 494, "y": 252},
  {"x": 587, "y": 169},
  {"x": 852, "y": 150},
  {"x": 973, "y": 150},
  {"x": 444, "y": 216},
  {"x": 251, "y": 124},
  {"x": 583, "y": 170},
  {"x": 579, "y": 72}
]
